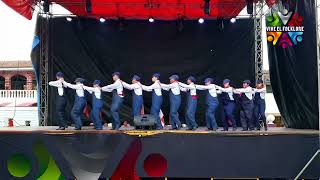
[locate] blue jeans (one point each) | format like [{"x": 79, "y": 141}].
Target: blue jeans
[
  {"x": 155, "y": 109},
  {"x": 137, "y": 102},
  {"x": 228, "y": 108},
  {"x": 115, "y": 106},
  {"x": 212, "y": 104},
  {"x": 246, "y": 115},
  {"x": 175, "y": 101},
  {"x": 77, "y": 110},
  {"x": 95, "y": 113},
  {"x": 259, "y": 113},
  {"x": 191, "y": 112}
]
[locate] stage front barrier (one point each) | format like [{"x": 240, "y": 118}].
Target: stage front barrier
[{"x": 89, "y": 154}]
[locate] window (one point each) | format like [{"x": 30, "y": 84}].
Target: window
[
  {"x": 18, "y": 82},
  {"x": 2, "y": 83}
]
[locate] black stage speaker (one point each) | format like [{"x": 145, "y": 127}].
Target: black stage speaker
[{"x": 145, "y": 121}]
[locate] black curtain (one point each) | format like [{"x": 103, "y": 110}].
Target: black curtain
[
  {"x": 87, "y": 48},
  {"x": 293, "y": 71}
]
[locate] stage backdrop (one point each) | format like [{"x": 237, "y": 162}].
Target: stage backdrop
[
  {"x": 92, "y": 50},
  {"x": 293, "y": 62}
]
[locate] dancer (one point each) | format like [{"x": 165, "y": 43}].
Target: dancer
[
  {"x": 260, "y": 105},
  {"x": 156, "y": 98},
  {"x": 79, "y": 102},
  {"x": 97, "y": 103},
  {"x": 175, "y": 100},
  {"x": 117, "y": 99},
  {"x": 137, "y": 98},
  {"x": 228, "y": 105},
  {"x": 246, "y": 112},
  {"x": 60, "y": 100},
  {"x": 191, "y": 103},
  {"x": 212, "y": 103}
]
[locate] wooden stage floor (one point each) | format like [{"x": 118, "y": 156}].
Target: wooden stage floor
[{"x": 200, "y": 130}]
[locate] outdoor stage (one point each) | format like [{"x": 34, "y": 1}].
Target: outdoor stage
[{"x": 90, "y": 154}]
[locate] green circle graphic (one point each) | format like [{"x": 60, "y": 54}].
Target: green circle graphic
[{"x": 19, "y": 165}]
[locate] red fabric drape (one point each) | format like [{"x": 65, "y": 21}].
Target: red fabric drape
[
  {"x": 139, "y": 9},
  {"x": 23, "y": 7}
]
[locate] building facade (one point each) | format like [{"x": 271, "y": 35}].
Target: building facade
[{"x": 17, "y": 75}]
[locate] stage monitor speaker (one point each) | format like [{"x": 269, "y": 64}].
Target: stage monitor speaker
[
  {"x": 145, "y": 121},
  {"x": 249, "y": 6}
]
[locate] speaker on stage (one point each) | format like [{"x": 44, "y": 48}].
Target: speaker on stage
[{"x": 145, "y": 121}]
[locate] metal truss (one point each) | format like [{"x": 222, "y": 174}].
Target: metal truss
[
  {"x": 43, "y": 67},
  {"x": 258, "y": 15}
]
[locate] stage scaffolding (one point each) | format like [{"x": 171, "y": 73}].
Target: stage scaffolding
[
  {"x": 44, "y": 67},
  {"x": 45, "y": 57}
]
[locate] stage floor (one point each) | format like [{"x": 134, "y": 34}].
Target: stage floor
[
  {"x": 132, "y": 131},
  {"x": 279, "y": 152}
]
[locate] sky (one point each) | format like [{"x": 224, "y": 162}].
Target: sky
[
  {"x": 17, "y": 32},
  {"x": 16, "y": 35}
]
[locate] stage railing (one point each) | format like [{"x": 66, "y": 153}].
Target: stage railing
[{"x": 21, "y": 94}]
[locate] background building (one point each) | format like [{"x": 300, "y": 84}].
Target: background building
[{"x": 18, "y": 94}]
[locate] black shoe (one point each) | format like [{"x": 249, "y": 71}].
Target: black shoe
[
  {"x": 61, "y": 128},
  {"x": 224, "y": 130},
  {"x": 77, "y": 129}
]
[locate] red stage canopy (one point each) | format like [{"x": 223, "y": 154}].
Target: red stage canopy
[{"x": 140, "y": 9}]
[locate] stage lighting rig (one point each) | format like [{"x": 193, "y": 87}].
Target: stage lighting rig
[
  {"x": 249, "y": 6},
  {"x": 206, "y": 7},
  {"x": 88, "y": 6},
  {"x": 151, "y": 19},
  {"x": 46, "y": 6},
  {"x": 102, "y": 20},
  {"x": 233, "y": 20},
  {"x": 201, "y": 20}
]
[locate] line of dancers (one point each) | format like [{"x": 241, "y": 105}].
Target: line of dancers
[{"x": 252, "y": 101}]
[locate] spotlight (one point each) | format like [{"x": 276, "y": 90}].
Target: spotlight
[
  {"x": 69, "y": 19},
  {"x": 233, "y": 20},
  {"x": 88, "y": 6},
  {"x": 201, "y": 20},
  {"x": 206, "y": 7},
  {"x": 151, "y": 20},
  {"x": 102, "y": 20}
]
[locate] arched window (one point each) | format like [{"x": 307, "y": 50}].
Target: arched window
[
  {"x": 2, "y": 83},
  {"x": 18, "y": 82}
]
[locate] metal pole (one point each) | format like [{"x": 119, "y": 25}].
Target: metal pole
[
  {"x": 307, "y": 165},
  {"x": 43, "y": 67},
  {"x": 258, "y": 15}
]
